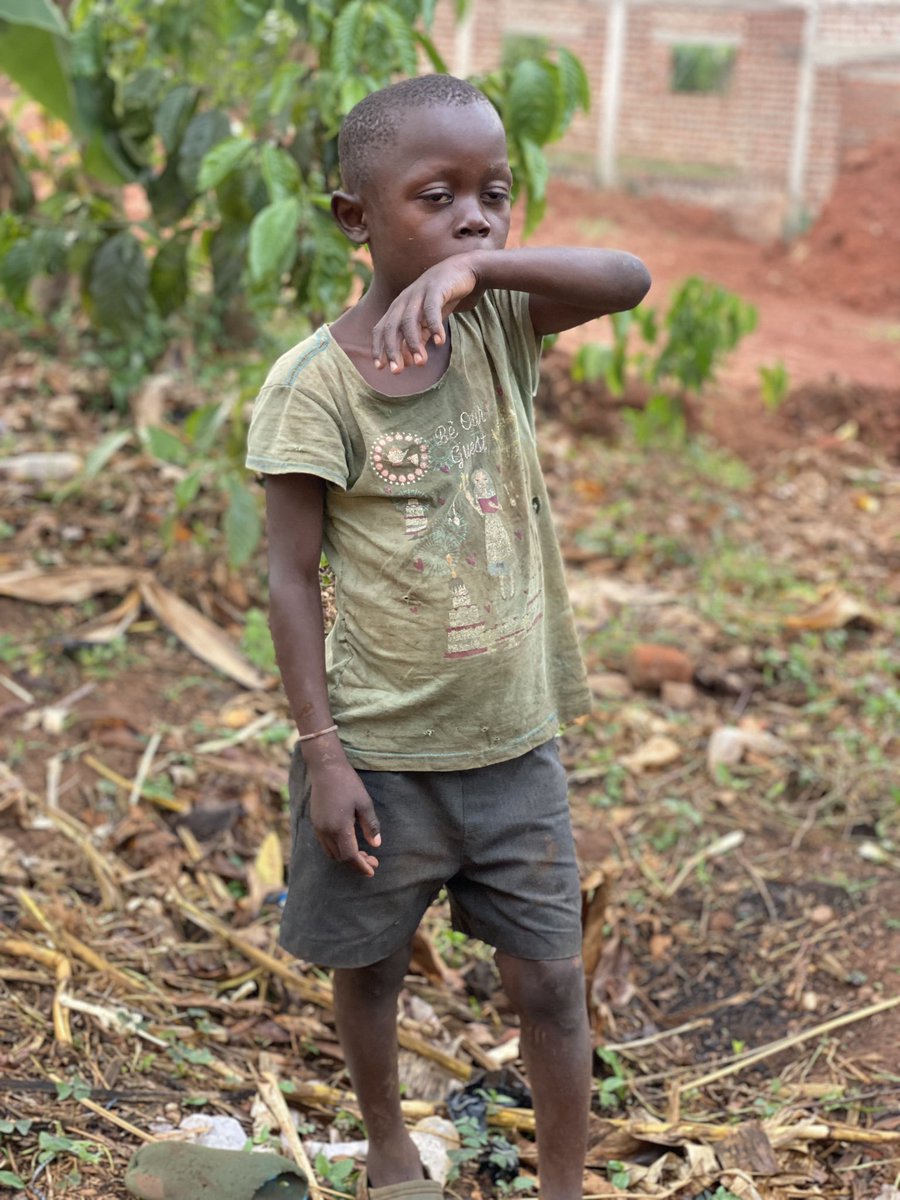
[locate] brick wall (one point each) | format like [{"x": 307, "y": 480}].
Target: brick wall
[
  {"x": 733, "y": 149},
  {"x": 870, "y": 107}
]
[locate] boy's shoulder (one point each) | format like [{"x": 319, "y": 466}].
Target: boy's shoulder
[{"x": 313, "y": 363}]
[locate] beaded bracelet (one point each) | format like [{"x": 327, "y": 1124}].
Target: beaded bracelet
[{"x": 307, "y": 737}]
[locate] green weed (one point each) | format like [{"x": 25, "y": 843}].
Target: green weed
[
  {"x": 339, "y": 1174},
  {"x": 775, "y": 383},
  {"x": 256, "y": 641}
]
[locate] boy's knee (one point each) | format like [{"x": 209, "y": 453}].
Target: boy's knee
[
  {"x": 551, "y": 994},
  {"x": 376, "y": 980}
]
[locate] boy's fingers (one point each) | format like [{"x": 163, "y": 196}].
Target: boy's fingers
[
  {"x": 368, "y": 823},
  {"x": 433, "y": 317},
  {"x": 345, "y": 845},
  {"x": 364, "y": 863},
  {"x": 411, "y": 329}
]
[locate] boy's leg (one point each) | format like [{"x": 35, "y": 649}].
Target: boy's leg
[
  {"x": 550, "y": 1001},
  {"x": 365, "y": 1004}
]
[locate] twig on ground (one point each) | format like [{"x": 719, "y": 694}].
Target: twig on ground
[
  {"x": 144, "y": 768},
  {"x": 274, "y": 1101},
  {"x": 61, "y": 967}
]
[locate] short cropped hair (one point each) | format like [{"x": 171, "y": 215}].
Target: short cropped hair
[{"x": 371, "y": 125}]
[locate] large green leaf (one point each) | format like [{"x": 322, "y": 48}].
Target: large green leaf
[
  {"x": 243, "y": 527},
  {"x": 40, "y": 14},
  {"x": 104, "y": 153},
  {"x": 533, "y": 102},
  {"x": 222, "y": 160},
  {"x": 204, "y": 131},
  {"x": 174, "y": 113},
  {"x": 34, "y": 53},
  {"x": 402, "y": 39},
  {"x": 346, "y": 39},
  {"x": 575, "y": 83},
  {"x": 280, "y": 171},
  {"x": 166, "y": 446},
  {"x": 18, "y": 267},
  {"x": 228, "y": 253},
  {"x": 118, "y": 281},
  {"x": 168, "y": 195},
  {"x": 273, "y": 239},
  {"x": 169, "y": 274},
  {"x": 535, "y": 171}
]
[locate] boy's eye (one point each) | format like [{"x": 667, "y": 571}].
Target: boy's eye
[
  {"x": 438, "y": 197},
  {"x": 497, "y": 195}
]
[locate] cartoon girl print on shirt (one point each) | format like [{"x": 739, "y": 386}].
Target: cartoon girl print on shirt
[{"x": 498, "y": 547}]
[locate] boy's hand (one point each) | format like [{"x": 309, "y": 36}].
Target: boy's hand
[
  {"x": 417, "y": 315},
  {"x": 337, "y": 802}
]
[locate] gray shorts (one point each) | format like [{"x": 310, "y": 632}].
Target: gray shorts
[{"x": 498, "y": 838}]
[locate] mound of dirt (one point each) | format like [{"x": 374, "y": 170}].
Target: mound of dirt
[
  {"x": 853, "y": 250},
  {"x": 828, "y": 406}
]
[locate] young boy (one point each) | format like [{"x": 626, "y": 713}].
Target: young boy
[{"x": 401, "y": 439}]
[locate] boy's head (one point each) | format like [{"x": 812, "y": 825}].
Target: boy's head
[
  {"x": 425, "y": 167},
  {"x": 370, "y": 129}
]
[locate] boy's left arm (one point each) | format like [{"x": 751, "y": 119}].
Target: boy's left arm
[{"x": 567, "y": 285}]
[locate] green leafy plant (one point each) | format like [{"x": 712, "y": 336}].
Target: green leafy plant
[
  {"x": 339, "y": 1174},
  {"x": 481, "y": 1146},
  {"x": 613, "y": 1086},
  {"x": 52, "y": 1146},
  {"x": 208, "y": 449},
  {"x": 775, "y": 383},
  {"x": 256, "y": 641},
  {"x": 679, "y": 355},
  {"x": 75, "y": 1088},
  {"x": 618, "y": 1174}
]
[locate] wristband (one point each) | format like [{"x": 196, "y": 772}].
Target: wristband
[{"x": 308, "y": 737}]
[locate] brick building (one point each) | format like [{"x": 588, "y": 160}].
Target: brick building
[{"x": 746, "y": 105}]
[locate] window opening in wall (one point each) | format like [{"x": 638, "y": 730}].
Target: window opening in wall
[
  {"x": 519, "y": 46},
  {"x": 702, "y": 67}
]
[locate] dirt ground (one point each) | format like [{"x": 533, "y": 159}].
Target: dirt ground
[{"x": 732, "y": 906}]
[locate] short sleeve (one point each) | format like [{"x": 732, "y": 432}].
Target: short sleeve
[{"x": 294, "y": 432}]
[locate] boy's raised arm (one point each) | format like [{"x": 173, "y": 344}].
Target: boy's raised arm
[
  {"x": 294, "y": 508},
  {"x": 568, "y": 285}
]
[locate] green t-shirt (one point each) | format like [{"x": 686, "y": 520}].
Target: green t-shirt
[{"x": 454, "y": 644}]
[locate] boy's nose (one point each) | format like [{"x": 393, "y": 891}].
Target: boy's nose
[{"x": 472, "y": 221}]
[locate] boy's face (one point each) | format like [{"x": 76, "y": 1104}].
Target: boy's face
[{"x": 443, "y": 188}]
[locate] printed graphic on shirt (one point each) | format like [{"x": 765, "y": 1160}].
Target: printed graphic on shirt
[
  {"x": 399, "y": 459},
  {"x": 464, "y": 531},
  {"x": 497, "y": 544}
]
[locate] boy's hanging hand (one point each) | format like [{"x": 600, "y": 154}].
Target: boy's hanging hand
[
  {"x": 338, "y": 801},
  {"x": 417, "y": 315}
]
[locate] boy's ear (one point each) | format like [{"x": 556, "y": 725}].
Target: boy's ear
[{"x": 347, "y": 210}]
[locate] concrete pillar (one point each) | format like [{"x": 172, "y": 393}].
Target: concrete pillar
[
  {"x": 803, "y": 111},
  {"x": 462, "y": 43},
  {"x": 611, "y": 92}
]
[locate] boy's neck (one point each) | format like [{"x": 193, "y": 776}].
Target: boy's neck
[{"x": 353, "y": 333}]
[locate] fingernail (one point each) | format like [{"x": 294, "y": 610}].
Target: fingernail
[{"x": 395, "y": 366}]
